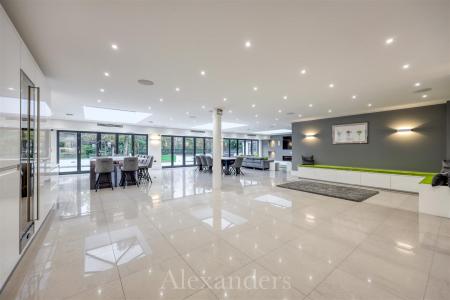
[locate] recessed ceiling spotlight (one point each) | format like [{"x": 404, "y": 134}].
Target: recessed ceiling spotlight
[
  {"x": 417, "y": 84},
  {"x": 255, "y": 88},
  {"x": 171, "y": 119},
  {"x": 276, "y": 119},
  {"x": 354, "y": 97},
  {"x": 285, "y": 97},
  {"x": 256, "y": 116},
  {"x": 369, "y": 105},
  {"x": 99, "y": 100},
  {"x": 405, "y": 66},
  {"x": 310, "y": 105},
  {"x": 203, "y": 107},
  {"x": 187, "y": 113},
  {"x": 202, "y": 72},
  {"x": 303, "y": 71},
  {"x": 106, "y": 74},
  {"x": 299, "y": 115},
  {"x": 279, "y": 111},
  {"x": 149, "y": 108},
  {"x": 389, "y": 41},
  {"x": 424, "y": 96},
  {"x": 330, "y": 111},
  {"x": 253, "y": 105},
  {"x": 230, "y": 111},
  {"x": 102, "y": 90},
  {"x": 11, "y": 89},
  {"x": 114, "y": 46},
  {"x": 248, "y": 44},
  {"x": 331, "y": 85},
  {"x": 225, "y": 99},
  {"x": 177, "y": 89},
  {"x": 161, "y": 100}
]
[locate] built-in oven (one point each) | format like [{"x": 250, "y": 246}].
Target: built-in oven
[{"x": 29, "y": 159}]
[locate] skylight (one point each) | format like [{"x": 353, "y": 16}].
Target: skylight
[
  {"x": 275, "y": 131},
  {"x": 225, "y": 125},
  {"x": 113, "y": 115},
  {"x": 12, "y": 106}
]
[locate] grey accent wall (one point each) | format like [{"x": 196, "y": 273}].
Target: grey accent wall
[
  {"x": 420, "y": 150},
  {"x": 448, "y": 130},
  {"x": 276, "y": 146}
]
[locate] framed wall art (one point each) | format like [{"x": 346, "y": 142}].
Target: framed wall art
[{"x": 356, "y": 133}]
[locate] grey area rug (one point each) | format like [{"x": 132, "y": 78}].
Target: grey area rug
[{"x": 331, "y": 190}]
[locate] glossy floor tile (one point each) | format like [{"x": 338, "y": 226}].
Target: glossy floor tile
[{"x": 179, "y": 239}]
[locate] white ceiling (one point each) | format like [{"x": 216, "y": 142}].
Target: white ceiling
[{"x": 170, "y": 42}]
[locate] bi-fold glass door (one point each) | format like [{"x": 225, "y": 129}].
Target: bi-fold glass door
[
  {"x": 77, "y": 148},
  {"x": 179, "y": 151},
  {"x": 88, "y": 149}
]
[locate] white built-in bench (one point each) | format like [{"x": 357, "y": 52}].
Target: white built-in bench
[
  {"x": 432, "y": 200},
  {"x": 365, "y": 177}
]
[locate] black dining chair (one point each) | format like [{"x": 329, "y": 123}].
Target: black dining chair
[
  {"x": 129, "y": 170},
  {"x": 103, "y": 169}
]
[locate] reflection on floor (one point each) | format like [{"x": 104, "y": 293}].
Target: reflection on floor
[{"x": 178, "y": 239}]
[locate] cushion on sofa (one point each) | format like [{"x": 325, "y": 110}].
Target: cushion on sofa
[
  {"x": 445, "y": 166},
  {"x": 308, "y": 160}
]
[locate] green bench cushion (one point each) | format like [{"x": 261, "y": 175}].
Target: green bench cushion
[{"x": 427, "y": 176}]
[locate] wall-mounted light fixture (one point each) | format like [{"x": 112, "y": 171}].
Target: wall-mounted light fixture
[
  {"x": 310, "y": 135},
  {"x": 404, "y": 130}
]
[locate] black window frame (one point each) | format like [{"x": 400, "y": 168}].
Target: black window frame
[
  {"x": 98, "y": 141},
  {"x": 227, "y": 140}
]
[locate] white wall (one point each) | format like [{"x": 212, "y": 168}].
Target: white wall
[{"x": 154, "y": 134}]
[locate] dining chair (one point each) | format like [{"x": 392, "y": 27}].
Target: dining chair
[
  {"x": 103, "y": 169},
  {"x": 237, "y": 165},
  {"x": 209, "y": 163},
  {"x": 198, "y": 162},
  {"x": 144, "y": 163},
  {"x": 149, "y": 166},
  {"x": 204, "y": 162},
  {"x": 129, "y": 169}
]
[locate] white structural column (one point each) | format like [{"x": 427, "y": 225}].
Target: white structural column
[{"x": 217, "y": 148}]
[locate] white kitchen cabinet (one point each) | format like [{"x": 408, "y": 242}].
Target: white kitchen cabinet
[
  {"x": 14, "y": 57},
  {"x": 9, "y": 146}
]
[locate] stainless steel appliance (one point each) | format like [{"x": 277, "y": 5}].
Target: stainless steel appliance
[{"x": 29, "y": 158}]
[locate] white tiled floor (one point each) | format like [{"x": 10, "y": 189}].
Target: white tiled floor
[{"x": 176, "y": 239}]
